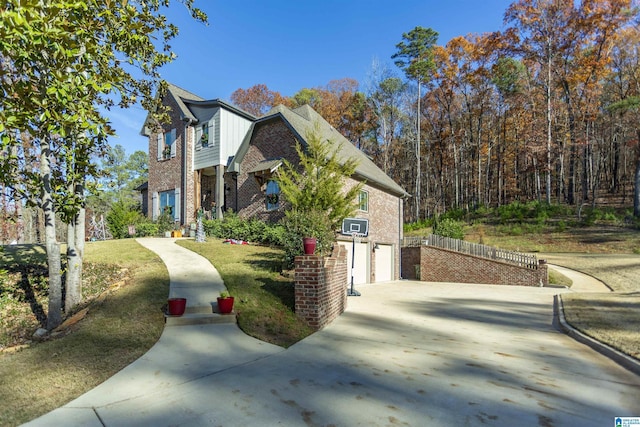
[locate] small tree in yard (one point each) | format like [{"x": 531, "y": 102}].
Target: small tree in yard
[
  {"x": 62, "y": 65},
  {"x": 315, "y": 190}
]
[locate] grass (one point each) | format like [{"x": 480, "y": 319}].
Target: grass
[
  {"x": 610, "y": 318},
  {"x": 118, "y": 328},
  {"x": 264, "y": 298}
]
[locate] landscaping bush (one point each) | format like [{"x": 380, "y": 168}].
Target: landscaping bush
[
  {"x": 145, "y": 227},
  {"x": 212, "y": 227},
  {"x": 251, "y": 230},
  {"x": 121, "y": 215},
  {"x": 298, "y": 224},
  {"x": 449, "y": 228}
]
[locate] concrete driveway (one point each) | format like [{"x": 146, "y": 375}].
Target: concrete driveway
[{"x": 403, "y": 354}]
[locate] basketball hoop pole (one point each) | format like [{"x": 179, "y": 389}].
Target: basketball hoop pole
[{"x": 352, "y": 292}]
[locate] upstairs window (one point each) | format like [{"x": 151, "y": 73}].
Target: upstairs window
[
  {"x": 363, "y": 201},
  {"x": 204, "y": 135},
  {"x": 167, "y": 145}
]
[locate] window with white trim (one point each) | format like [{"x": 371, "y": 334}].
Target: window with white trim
[
  {"x": 204, "y": 135},
  {"x": 363, "y": 201},
  {"x": 167, "y": 144}
]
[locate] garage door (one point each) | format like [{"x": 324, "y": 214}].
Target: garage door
[
  {"x": 384, "y": 263},
  {"x": 361, "y": 263}
]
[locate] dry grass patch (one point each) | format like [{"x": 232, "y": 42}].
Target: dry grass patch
[
  {"x": 117, "y": 329},
  {"x": 612, "y": 318}
]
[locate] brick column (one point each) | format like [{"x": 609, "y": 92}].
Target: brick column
[{"x": 320, "y": 287}]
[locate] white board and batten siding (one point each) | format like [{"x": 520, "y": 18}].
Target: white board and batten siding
[{"x": 226, "y": 132}]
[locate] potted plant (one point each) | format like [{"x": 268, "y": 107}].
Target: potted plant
[
  {"x": 309, "y": 245},
  {"x": 225, "y": 303}
]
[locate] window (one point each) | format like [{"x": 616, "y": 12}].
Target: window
[
  {"x": 272, "y": 195},
  {"x": 204, "y": 134},
  {"x": 363, "y": 201},
  {"x": 168, "y": 203},
  {"x": 204, "y": 137},
  {"x": 166, "y": 145}
]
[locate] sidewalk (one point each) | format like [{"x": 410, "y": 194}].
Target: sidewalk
[{"x": 182, "y": 355}]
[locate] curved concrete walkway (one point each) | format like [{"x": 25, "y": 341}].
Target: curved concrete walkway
[{"x": 404, "y": 353}]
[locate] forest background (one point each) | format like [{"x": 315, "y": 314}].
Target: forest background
[{"x": 545, "y": 110}]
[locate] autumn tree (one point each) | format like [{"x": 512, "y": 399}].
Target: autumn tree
[
  {"x": 415, "y": 57},
  {"x": 258, "y": 99},
  {"x": 62, "y": 64},
  {"x": 623, "y": 97}
]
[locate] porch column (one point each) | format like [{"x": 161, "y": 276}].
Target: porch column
[
  {"x": 219, "y": 193},
  {"x": 197, "y": 186}
]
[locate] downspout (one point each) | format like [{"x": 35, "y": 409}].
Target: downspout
[{"x": 401, "y": 229}]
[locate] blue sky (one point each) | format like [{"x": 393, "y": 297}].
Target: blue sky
[{"x": 289, "y": 45}]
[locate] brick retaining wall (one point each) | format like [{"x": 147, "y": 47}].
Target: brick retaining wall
[
  {"x": 320, "y": 287},
  {"x": 441, "y": 265}
]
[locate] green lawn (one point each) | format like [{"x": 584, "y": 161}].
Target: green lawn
[{"x": 264, "y": 298}]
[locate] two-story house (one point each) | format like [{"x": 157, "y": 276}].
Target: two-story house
[
  {"x": 217, "y": 157},
  {"x": 188, "y": 157}
]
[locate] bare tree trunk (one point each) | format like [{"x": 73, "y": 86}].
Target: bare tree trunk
[
  {"x": 548, "y": 165},
  {"x": 54, "y": 316},
  {"x": 418, "y": 172},
  {"x": 75, "y": 255},
  {"x": 636, "y": 181}
]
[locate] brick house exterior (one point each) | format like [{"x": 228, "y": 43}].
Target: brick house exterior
[
  {"x": 188, "y": 156},
  {"x": 183, "y": 176},
  {"x": 272, "y": 138}
]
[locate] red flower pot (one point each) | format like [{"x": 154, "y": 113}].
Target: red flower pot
[
  {"x": 309, "y": 244},
  {"x": 176, "y": 306},
  {"x": 225, "y": 305}
]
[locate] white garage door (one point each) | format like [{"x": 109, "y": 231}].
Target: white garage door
[
  {"x": 384, "y": 263},
  {"x": 361, "y": 263}
]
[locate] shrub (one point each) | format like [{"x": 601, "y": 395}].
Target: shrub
[
  {"x": 449, "y": 228},
  {"x": 251, "y": 230},
  {"x": 418, "y": 225},
  {"x": 121, "y": 215},
  {"x": 145, "y": 228},
  {"x": 298, "y": 224},
  {"x": 457, "y": 214},
  {"x": 212, "y": 227}
]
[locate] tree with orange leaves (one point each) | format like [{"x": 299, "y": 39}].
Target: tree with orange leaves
[{"x": 258, "y": 99}]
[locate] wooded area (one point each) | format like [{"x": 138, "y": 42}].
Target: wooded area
[{"x": 545, "y": 110}]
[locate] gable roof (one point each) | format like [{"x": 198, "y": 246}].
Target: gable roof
[
  {"x": 301, "y": 121},
  {"x": 180, "y": 95},
  {"x": 186, "y": 101}
]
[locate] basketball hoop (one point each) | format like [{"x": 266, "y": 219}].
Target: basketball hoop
[{"x": 357, "y": 228}]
